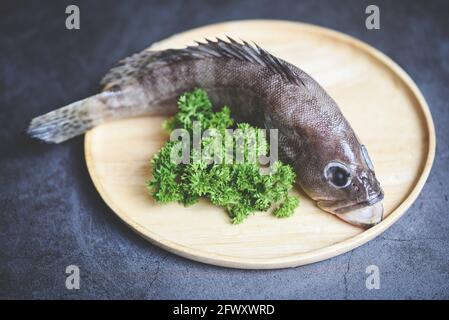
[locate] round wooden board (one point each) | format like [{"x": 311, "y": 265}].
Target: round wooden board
[{"x": 379, "y": 99}]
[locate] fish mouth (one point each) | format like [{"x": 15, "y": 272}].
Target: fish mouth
[
  {"x": 363, "y": 214},
  {"x": 365, "y": 217},
  {"x": 371, "y": 201}
]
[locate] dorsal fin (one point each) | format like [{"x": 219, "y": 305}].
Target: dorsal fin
[{"x": 129, "y": 68}]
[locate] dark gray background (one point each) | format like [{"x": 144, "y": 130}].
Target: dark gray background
[{"x": 51, "y": 215}]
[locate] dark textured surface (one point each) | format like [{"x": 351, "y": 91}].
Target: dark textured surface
[{"x": 51, "y": 216}]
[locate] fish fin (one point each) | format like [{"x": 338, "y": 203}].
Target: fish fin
[
  {"x": 128, "y": 70},
  {"x": 70, "y": 121},
  {"x": 242, "y": 51}
]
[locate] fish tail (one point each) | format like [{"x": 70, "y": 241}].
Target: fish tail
[{"x": 70, "y": 121}]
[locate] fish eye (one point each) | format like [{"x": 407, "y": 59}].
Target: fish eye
[{"x": 337, "y": 174}]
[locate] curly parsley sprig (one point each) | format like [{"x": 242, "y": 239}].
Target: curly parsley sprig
[{"x": 240, "y": 188}]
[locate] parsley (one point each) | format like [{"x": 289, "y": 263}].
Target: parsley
[{"x": 240, "y": 188}]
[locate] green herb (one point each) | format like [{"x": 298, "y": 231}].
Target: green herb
[{"x": 240, "y": 188}]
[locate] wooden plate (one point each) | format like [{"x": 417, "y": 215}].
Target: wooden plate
[{"x": 379, "y": 99}]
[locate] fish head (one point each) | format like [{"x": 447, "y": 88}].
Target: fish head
[
  {"x": 353, "y": 193},
  {"x": 340, "y": 177}
]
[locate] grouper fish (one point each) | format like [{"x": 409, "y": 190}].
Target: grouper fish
[{"x": 332, "y": 166}]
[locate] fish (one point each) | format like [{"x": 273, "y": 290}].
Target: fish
[{"x": 331, "y": 164}]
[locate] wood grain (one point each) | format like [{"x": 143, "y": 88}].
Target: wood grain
[{"x": 379, "y": 99}]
